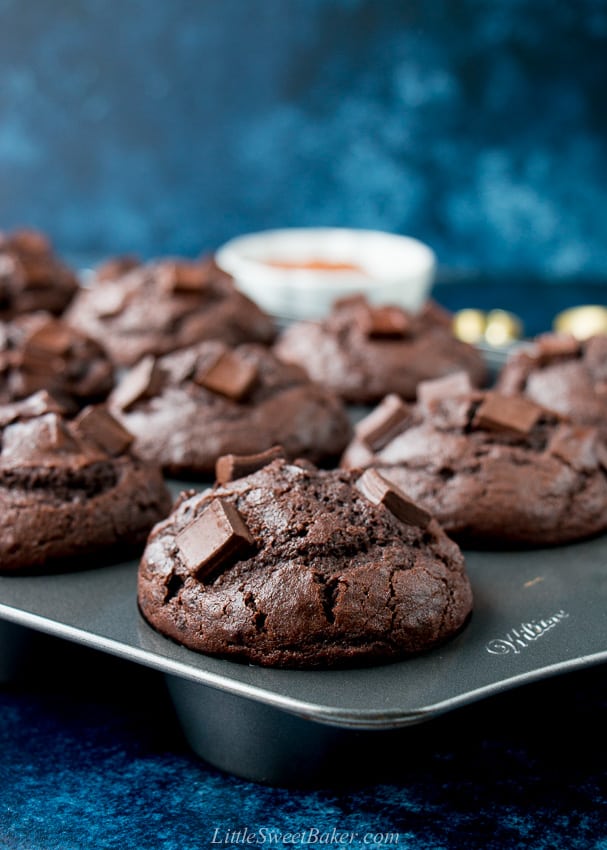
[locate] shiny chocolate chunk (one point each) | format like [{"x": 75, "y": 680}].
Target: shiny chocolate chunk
[
  {"x": 230, "y": 375},
  {"x": 382, "y": 424},
  {"x": 384, "y": 323},
  {"x": 142, "y": 381},
  {"x": 507, "y": 413},
  {"x": 555, "y": 346},
  {"x": 230, "y": 467},
  {"x": 54, "y": 338},
  {"x": 429, "y": 392},
  {"x": 380, "y": 491},
  {"x": 183, "y": 276},
  {"x": 96, "y": 424},
  {"x": 215, "y": 538}
]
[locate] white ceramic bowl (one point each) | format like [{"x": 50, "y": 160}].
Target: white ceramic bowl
[{"x": 298, "y": 273}]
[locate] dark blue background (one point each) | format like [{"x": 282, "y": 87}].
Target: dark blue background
[{"x": 163, "y": 127}]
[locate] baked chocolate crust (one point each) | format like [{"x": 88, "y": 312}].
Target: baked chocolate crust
[
  {"x": 134, "y": 310},
  {"x": 70, "y": 487},
  {"x": 363, "y": 353},
  {"x": 328, "y": 577},
  {"x": 190, "y": 407}
]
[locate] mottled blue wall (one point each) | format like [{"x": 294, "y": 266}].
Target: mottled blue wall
[{"x": 157, "y": 126}]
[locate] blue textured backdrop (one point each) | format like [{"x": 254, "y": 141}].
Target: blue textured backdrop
[{"x": 169, "y": 126}]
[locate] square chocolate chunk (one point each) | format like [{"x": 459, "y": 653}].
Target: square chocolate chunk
[
  {"x": 214, "y": 539},
  {"x": 385, "y": 422},
  {"x": 379, "y": 491},
  {"x": 507, "y": 413},
  {"x": 230, "y": 375}
]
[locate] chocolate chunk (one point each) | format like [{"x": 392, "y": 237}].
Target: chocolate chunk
[
  {"x": 30, "y": 242},
  {"x": 96, "y": 424},
  {"x": 230, "y": 375},
  {"x": 53, "y": 338},
  {"x": 143, "y": 381},
  {"x": 44, "y": 434},
  {"x": 31, "y": 407},
  {"x": 384, "y": 323},
  {"x": 555, "y": 346},
  {"x": 230, "y": 467},
  {"x": 456, "y": 384},
  {"x": 385, "y": 422},
  {"x": 577, "y": 446},
  {"x": 183, "y": 276},
  {"x": 507, "y": 413},
  {"x": 215, "y": 538},
  {"x": 379, "y": 491}
]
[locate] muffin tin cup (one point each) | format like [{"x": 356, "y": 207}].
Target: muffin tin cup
[{"x": 537, "y": 613}]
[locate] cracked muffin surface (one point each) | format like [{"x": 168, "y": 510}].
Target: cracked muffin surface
[
  {"x": 306, "y": 570},
  {"x": 136, "y": 309},
  {"x": 492, "y": 469},
  {"x": 70, "y": 487},
  {"x": 188, "y": 408}
]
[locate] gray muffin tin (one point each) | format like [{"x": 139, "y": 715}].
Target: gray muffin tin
[{"x": 537, "y": 613}]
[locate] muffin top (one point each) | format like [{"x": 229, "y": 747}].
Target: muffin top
[
  {"x": 363, "y": 352},
  {"x": 139, "y": 309},
  {"x": 563, "y": 374},
  {"x": 31, "y": 276},
  {"x": 40, "y": 352},
  {"x": 491, "y": 468},
  {"x": 298, "y": 567}
]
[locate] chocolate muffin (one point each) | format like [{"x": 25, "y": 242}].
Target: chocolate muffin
[
  {"x": 291, "y": 566},
  {"x": 189, "y": 407},
  {"x": 40, "y": 352},
  {"x": 135, "y": 310},
  {"x": 31, "y": 276},
  {"x": 562, "y": 374},
  {"x": 70, "y": 487},
  {"x": 492, "y": 469},
  {"x": 363, "y": 352}
]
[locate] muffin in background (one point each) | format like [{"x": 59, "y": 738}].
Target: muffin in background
[
  {"x": 136, "y": 309},
  {"x": 32, "y": 277}
]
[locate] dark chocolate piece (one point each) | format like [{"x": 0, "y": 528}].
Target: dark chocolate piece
[
  {"x": 144, "y": 379},
  {"x": 384, "y": 323},
  {"x": 383, "y": 423},
  {"x": 455, "y": 384},
  {"x": 507, "y": 413},
  {"x": 214, "y": 538},
  {"x": 554, "y": 346},
  {"x": 96, "y": 424},
  {"x": 379, "y": 491},
  {"x": 230, "y": 467},
  {"x": 230, "y": 375},
  {"x": 183, "y": 276},
  {"x": 52, "y": 338}
]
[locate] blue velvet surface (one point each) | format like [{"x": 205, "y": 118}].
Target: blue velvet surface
[
  {"x": 169, "y": 127},
  {"x": 92, "y": 758}
]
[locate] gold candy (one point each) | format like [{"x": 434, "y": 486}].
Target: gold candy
[
  {"x": 502, "y": 328},
  {"x": 582, "y": 322},
  {"x": 469, "y": 325}
]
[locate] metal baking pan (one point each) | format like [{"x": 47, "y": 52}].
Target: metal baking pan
[{"x": 537, "y": 613}]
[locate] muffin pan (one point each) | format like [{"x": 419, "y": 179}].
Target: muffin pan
[{"x": 537, "y": 613}]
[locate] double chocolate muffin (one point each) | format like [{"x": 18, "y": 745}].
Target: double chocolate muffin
[
  {"x": 70, "y": 487},
  {"x": 562, "y": 374},
  {"x": 31, "y": 276},
  {"x": 40, "y": 352},
  {"x": 135, "y": 310},
  {"x": 189, "y": 407},
  {"x": 291, "y": 566},
  {"x": 492, "y": 469},
  {"x": 363, "y": 352}
]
